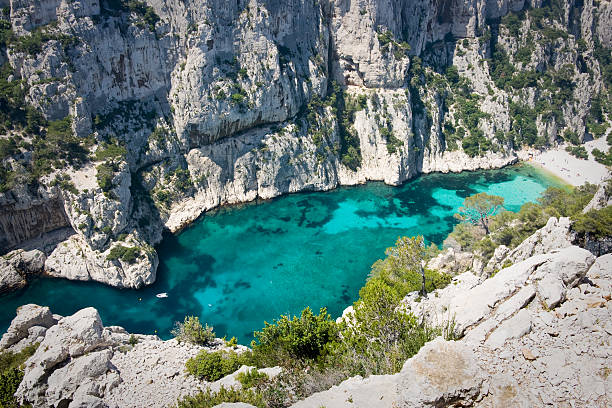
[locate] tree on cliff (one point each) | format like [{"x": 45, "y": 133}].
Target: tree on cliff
[
  {"x": 408, "y": 255},
  {"x": 478, "y": 208}
]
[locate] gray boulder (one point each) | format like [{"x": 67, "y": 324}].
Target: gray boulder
[
  {"x": 600, "y": 272},
  {"x": 554, "y": 235},
  {"x": 64, "y": 382},
  {"x": 600, "y": 200},
  {"x": 10, "y": 278},
  {"x": 16, "y": 265},
  {"x": 563, "y": 271},
  {"x": 71, "y": 337},
  {"x": 513, "y": 328},
  {"x": 28, "y": 317},
  {"x": 442, "y": 373}
]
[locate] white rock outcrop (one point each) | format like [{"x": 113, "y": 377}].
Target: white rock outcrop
[{"x": 30, "y": 324}]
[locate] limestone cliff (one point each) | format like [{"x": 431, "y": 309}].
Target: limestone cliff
[{"x": 185, "y": 105}]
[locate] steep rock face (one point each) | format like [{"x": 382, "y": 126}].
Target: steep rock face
[
  {"x": 365, "y": 58},
  {"x": 248, "y": 63},
  {"x": 17, "y": 266},
  {"x": 75, "y": 260},
  {"x": 222, "y": 102},
  {"x": 554, "y": 235},
  {"x": 25, "y": 216}
]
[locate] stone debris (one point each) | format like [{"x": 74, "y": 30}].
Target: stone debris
[{"x": 528, "y": 354}]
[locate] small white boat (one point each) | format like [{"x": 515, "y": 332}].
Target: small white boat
[{"x": 162, "y": 295}]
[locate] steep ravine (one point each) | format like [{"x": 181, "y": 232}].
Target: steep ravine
[{"x": 189, "y": 106}]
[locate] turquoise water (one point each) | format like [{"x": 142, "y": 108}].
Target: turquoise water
[{"x": 238, "y": 266}]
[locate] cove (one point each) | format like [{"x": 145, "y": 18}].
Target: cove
[{"x": 238, "y": 266}]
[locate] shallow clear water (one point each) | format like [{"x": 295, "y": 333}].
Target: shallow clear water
[{"x": 238, "y": 266}]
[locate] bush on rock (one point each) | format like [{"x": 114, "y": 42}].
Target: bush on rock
[{"x": 192, "y": 331}]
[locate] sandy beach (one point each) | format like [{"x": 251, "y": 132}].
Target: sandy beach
[{"x": 571, "y": 169}]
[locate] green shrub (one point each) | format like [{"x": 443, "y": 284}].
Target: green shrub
[
  {"x": 126, "y": 254},
  {"x": 11, "y": 374},
  {"x": 401, "y": 269},
  {"x": 571, "y": 137},
  {"x": 567, "y": 201},
  {"x": 288, "y": 341},
  {"x": 578, "y": 151},
  {"x": 163, "y": 196},
  {"x": 237, "y": 98},
  {"x": 251, "y": 378},
  {"x": 110, "y": 150},
  {"x": 9, "y": 381},
  {"x": 192, "y": 331},
  {"x": 466, "y": 235},
  {"x": 182, "y": 180},
  {"x": 212, "y": 366},
  {"x": 381, "y": 337},
  {"x": 65, "y": 183},
  {"x": 524, "y": 54},
  {"x": 105, "y": 173},
  {"x": 209, "y": 399},
  {"x": 8, "y": 147},
  {"x": 603, "y": 158},
  {"x": 596, "y": 223}
]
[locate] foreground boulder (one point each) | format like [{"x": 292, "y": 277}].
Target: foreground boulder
[
  {"x": 31, "y": 324},
  {"x": 467, "y": 302},
  {"x": 442, "y": 373},
  {"x": 554, "y": 235},
  {"x": 71, "y": 337}
]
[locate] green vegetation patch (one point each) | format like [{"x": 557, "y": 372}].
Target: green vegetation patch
[
  {"x": 11, "y": 374},
  {"x": 212, "y": 366},
  {"x": 126, "y": 254},
  {"x": 147, "y": 14},
  {"x": 105, "y": 173},
  {"x": 110, "y": 150},
  {"x": 209, "y": 399},
  {"x": 192, "y": 331},
  {"x": 595, "y": 223},
  {"x": 510, "y": 228},
  {"x": 577, "y": 151},
  {"x": 251, "y": 378},
  {"x": 288, "y": 341}
]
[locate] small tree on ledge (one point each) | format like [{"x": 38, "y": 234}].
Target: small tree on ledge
[{"x": 478, "y": 208}]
